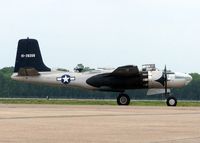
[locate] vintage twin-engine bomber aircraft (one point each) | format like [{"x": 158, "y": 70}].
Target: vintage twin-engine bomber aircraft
[{"x": 29, "y": 67}]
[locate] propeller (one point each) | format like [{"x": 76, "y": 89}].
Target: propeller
[{"x": 165, "y": 79}]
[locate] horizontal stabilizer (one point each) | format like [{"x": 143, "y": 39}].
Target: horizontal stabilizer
[
  {"x": 28, "y": 72},
  {"x": 157, "y": 91}
]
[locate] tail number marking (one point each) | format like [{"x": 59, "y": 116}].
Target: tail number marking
[{"x": 27, "y": 55}]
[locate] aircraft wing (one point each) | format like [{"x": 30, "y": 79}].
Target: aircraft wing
[
  {"x": 125, "y": 77},
  {"x": 126, "y": 71}
]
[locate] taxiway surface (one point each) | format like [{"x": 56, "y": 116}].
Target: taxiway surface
[{"x": 98, "y": 124}]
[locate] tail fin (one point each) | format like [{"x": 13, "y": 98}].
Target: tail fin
[{"x": 29, "y": 56}]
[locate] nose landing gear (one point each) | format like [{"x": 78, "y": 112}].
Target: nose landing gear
[{"x": 171, "y": 101}]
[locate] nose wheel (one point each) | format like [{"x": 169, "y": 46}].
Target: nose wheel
[
  {"x": 123, "y": 99},
  {"x": 171, "y": 101}
]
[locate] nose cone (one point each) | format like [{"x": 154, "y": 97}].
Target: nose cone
[
  {"x": 188, "y": 79},
  {"x": 182, "y": 79}
]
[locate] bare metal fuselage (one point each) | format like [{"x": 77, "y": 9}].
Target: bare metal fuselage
[{"x": 175, "y": 80}]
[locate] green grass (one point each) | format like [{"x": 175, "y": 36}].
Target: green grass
[
  {"x": 93, "y": 102},
  {"x": 192, "y": 104},
  {"x": 57, "y": 101}
]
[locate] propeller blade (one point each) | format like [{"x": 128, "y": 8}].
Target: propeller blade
[{"x": 165, "y": 79}]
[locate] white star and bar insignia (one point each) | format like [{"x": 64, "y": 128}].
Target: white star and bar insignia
[{"x": 65, "y": 79}]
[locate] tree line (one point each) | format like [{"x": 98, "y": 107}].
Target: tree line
[{"x": 15, "y": 89}]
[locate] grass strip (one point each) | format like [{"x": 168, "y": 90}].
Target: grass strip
[{"x": 94, "y": 102}]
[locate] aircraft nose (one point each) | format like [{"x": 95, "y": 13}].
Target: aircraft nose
[{"x": 188, "y": 79}]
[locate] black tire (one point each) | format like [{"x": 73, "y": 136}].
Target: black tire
[
  {"x": 171, "y": 101},
  {"x": 123, "y": 99}
]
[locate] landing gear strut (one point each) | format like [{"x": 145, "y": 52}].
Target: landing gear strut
[
  {"x": 171, "y": 100},
  {"x": 123, "y": 99}
]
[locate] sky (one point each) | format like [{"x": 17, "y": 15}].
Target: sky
[{"x": 104, "y": 33}]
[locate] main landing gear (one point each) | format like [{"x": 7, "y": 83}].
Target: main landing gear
[{"x": 123, "y": 99}]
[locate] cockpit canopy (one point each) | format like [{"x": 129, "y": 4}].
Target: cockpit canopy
[{"x": 149, "y": 67}]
